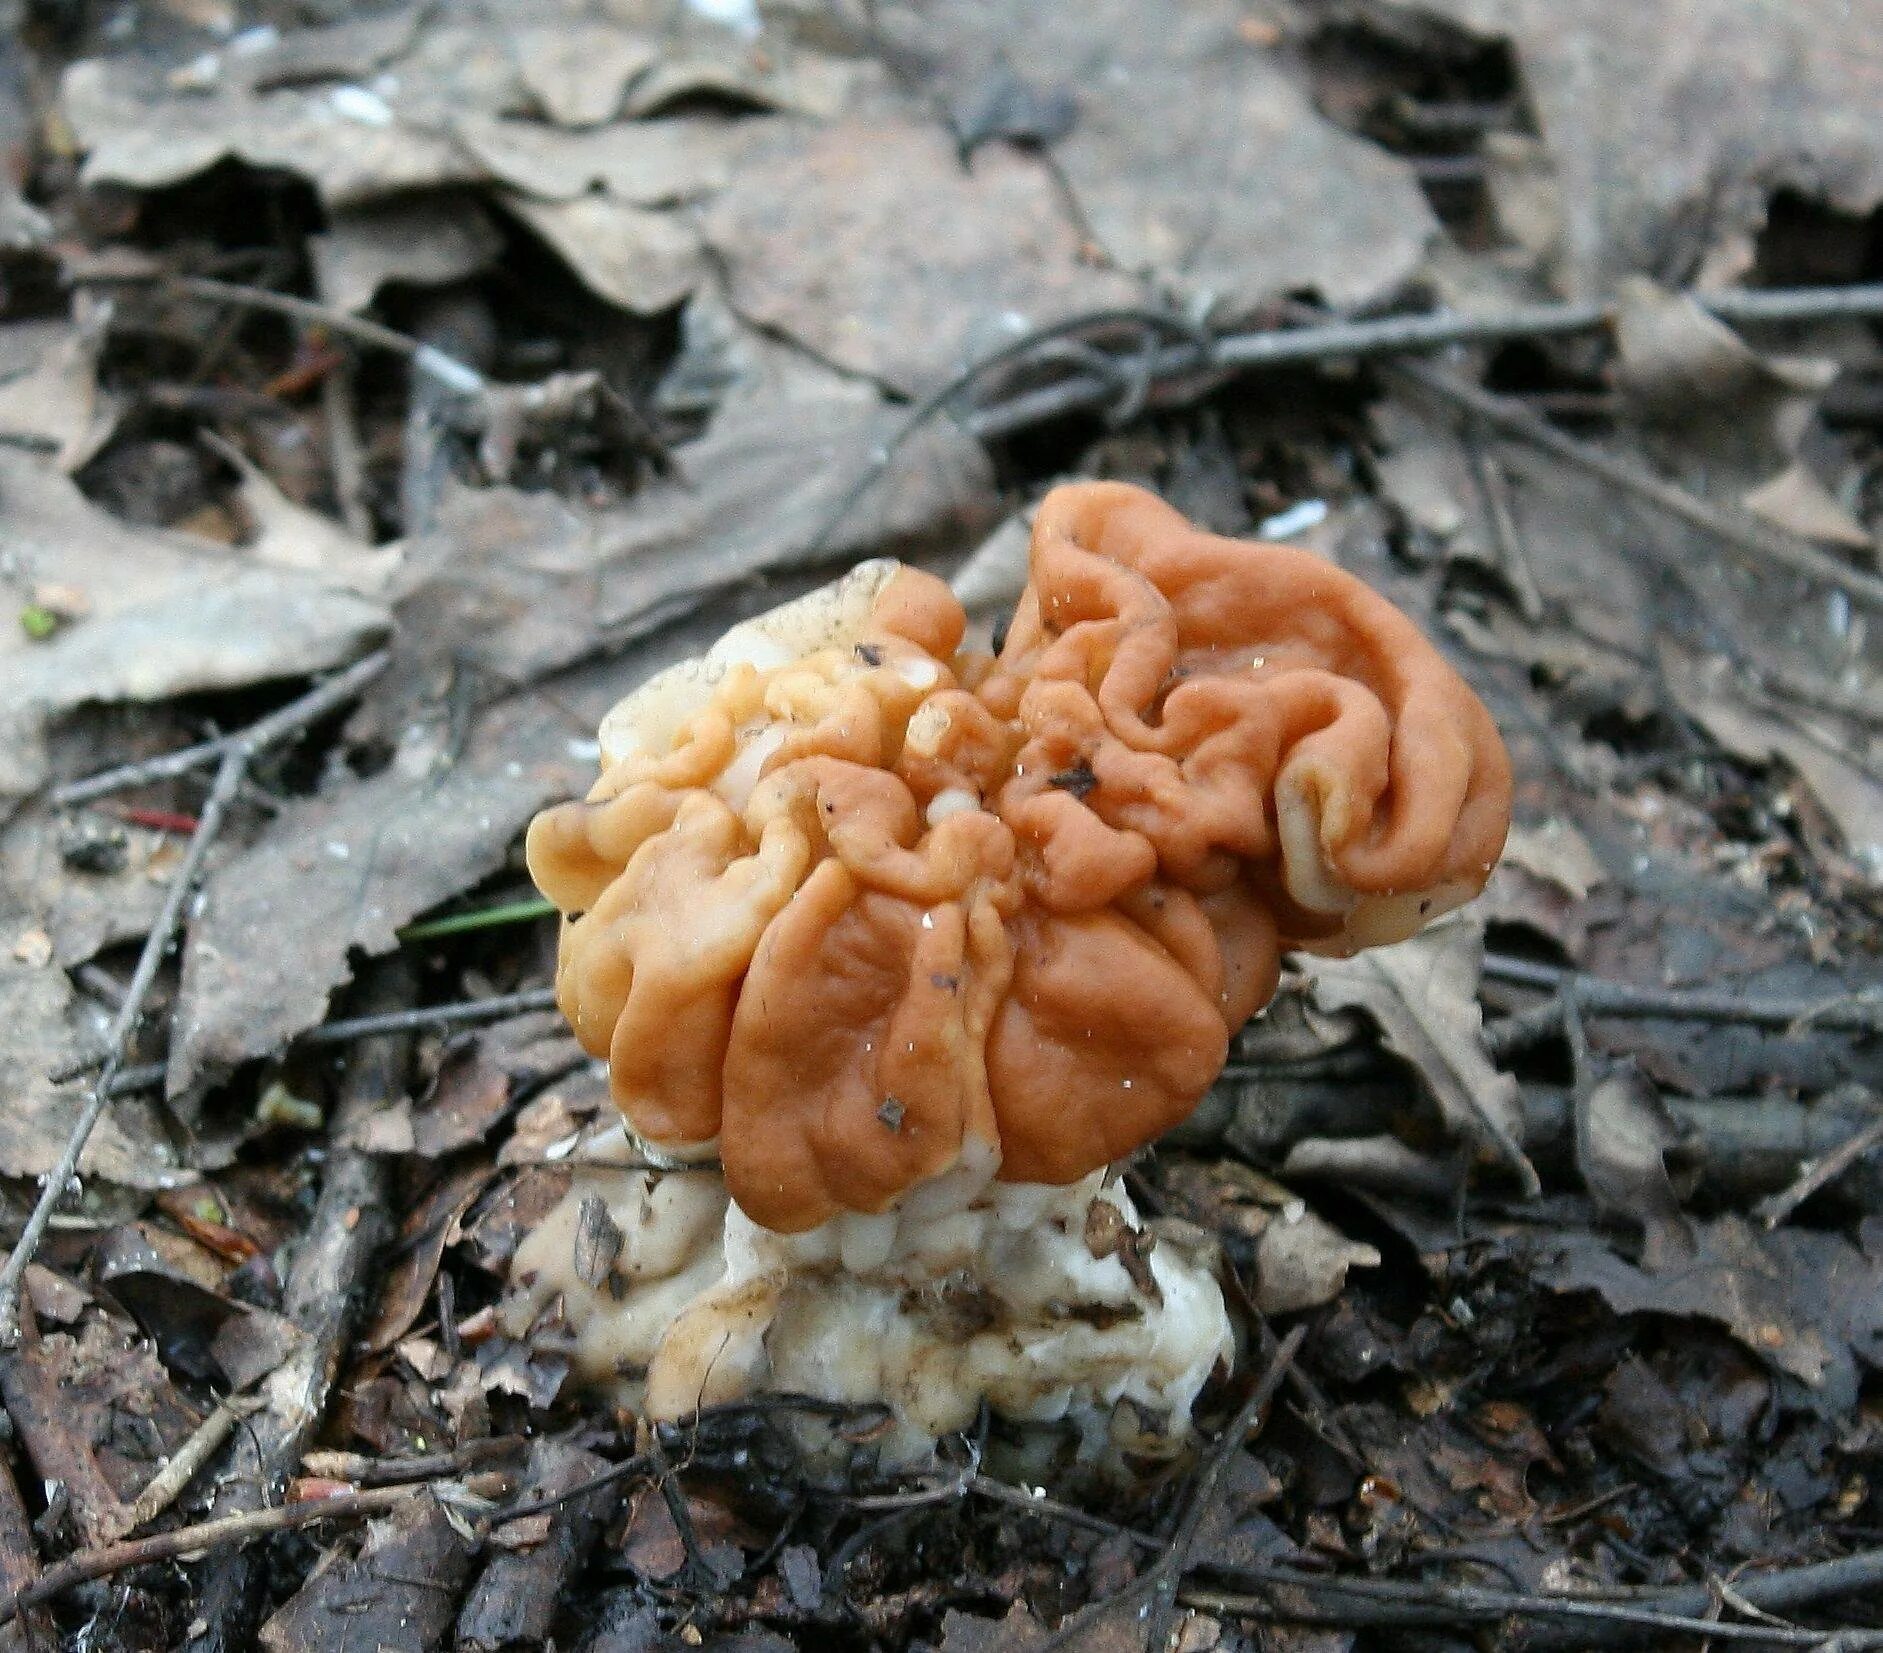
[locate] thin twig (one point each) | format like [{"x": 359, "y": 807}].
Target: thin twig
[
  {"x": 205, "y": 1536},
  {"x": 1774, "y": 678},
  {"x": 1675, "y": 1608},
  {"x": 364, "y": 1471},
  {"x": 951, "y": 1491},
  {"x": 1596, "y": 996},
  {"x": 1826, "y": 1168},
  {"x": 1513, "y": 556},
  {"x": 1794, "y": 304},
  {"x": 297, "y": 714},
  {"x": 428, "y": 359},
  {"x": 467, "y": 1014},
  {"x": 627, "y": 1469},
  {"x": 1168, "y": 1572},
  {"x": 1511, "y": 418},
  {"x": 1465, "y": 1604},
  {"x": 1273, "y": 347},
  {"x": 156, "y": 944},
  {"x": 1194, "y": 352},
  {"x": 1526, "y": 1028},
  {"x": 163, "y": 1488},
  {"x": 1199, "y": 361},
  {"x": 229, "y": 776},
  {"x": 341, "y": 418},
  {"x": 1399, "y": 335},
  {"x": 1036, "y": 1502},
  {"x": 1161, "y": 1581},
  {"x": 350, "y": 1029}
]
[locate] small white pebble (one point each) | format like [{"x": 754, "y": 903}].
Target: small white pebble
[
  {"x": 741, "y": 16},
  {"x": 200, "y": 74},
  {"x": 1297, "y": 519},
  {"x": 355, "y": 103}
]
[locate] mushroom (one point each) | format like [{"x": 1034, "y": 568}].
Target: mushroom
[{"x": 920, "y": 943}]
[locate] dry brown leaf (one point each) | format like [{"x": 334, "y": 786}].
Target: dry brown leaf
[
  {"x": 1553, "y": 850},
  {"x": 287, "y": 535},
  {"x": 44, "y": 1030},
  {"x": 643, "y": 261},
  {"x": 1819, "y": 752},
  {"x": 346, "y": 141},
  {"x": 350, "y": 50},
  {"x": 1383, "y": 1164},
  {"x": 1798, "y": 502},
  {"x": 89, "y": 908},
  {"x": 519, "y": 584},
  {"x": 649, "y": 163},
  {"x": 428, "y": 243},
  {"x": 1623, "y": 1134},
  {"x": 579, "y": 69},
  {"x": 98, "y": 1415},
  {"x": 167, "y": 616},
  {"x": 370, "y": 110},
  {"x": 1196, "y": 157},
  {"x": 1301, "y": 1259},
  {"x": 466, "y": 1101},
  {"x": 726, "y": 363},
  {"x": 769, "y": 70},
  {"x": 1673, "y": 122},
  {"x": 1110, "y": 1626},
  {"x": 830, "y": 234},
  {"x": 47, "y": 1026},
  {"x": 1681, "y": 364},
  {"x": 360, "y": 860},
  {"x": 1423, "y": 995},
  {"x": 54, "y": 400},
  {"x": 1806, "y": 1300},
  {"x": 427, "y": 1229},
  {"x": 966, "y": 1633}
]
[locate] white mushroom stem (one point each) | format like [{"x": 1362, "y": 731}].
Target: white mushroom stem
[{"x": 1046, "y": 1304}]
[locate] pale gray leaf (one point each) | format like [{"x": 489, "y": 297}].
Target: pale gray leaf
[{"x": 1423, "y": 995}]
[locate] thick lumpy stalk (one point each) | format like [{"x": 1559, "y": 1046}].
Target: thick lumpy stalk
[
  {"x": 853, "y": 903},
  {"x": 1054, "y": 1306}
]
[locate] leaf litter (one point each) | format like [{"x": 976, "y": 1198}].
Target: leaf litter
[{"x": 690, "y": 277}]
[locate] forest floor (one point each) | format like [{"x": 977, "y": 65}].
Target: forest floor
[{"x": 382, "y": 392}]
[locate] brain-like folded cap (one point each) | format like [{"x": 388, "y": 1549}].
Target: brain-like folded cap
[{"x": 850, "y": 900}]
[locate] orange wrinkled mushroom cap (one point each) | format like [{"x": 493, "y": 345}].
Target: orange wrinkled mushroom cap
[{"x": 858, "y": 909}]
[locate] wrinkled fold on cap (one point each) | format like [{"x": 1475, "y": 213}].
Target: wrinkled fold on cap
[{"x": 858, "y": 905}]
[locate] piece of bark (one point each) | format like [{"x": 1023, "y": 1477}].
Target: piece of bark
[
  {"x": 31, "y": 1393},
  {"x": 97, "y": 1414},
  {"x": 19, "y": 1566},
  {"x": 513, "y": 1604},
  {"x": 399, "y": 1592}
]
